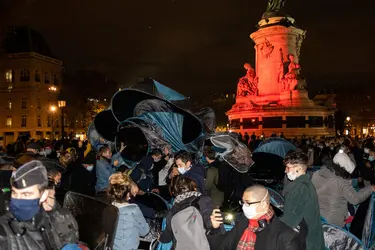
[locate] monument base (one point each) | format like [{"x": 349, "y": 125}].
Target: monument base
[{"x": 294, "y": 115}]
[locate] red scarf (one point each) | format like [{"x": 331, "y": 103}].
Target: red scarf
[{"x": 248, "y": 239}]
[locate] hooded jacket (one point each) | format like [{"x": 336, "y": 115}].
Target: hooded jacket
[{"x": 334, "y": 192}]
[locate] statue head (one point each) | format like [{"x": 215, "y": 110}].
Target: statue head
[
  {"x": 247, "y": 66},
  {"x": 291, "y": 57}
]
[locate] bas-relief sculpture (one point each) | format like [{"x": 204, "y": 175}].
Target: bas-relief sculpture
[
  {"x": 248, "y": 84},
  {"x": 266, "y": 48}
]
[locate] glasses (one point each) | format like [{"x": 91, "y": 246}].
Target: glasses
[{"x": 248, "y": 204}]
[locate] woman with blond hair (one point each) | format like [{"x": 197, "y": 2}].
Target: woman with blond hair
[{"x": 131, "y": 223}]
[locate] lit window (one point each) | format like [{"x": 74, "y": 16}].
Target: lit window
[
  {"x": 25, "y": 75},
  {"x": 37, "y": 76},
  {"x": 9, "y": 103},
  {"x": 9, "y": 121},
  {"x": 9, "y": 75},
  {"x": 23, "y": 103},
  {"x": 39, "y": 121},
  {"x": 23, "y": 121},
  {"x": 46, "y": 78}
]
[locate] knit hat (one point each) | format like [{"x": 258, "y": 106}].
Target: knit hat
[
  {"x": 344, "y": 161},
  {"x": 29, "y": 174}
]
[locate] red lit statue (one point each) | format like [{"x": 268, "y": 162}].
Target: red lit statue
[
  {"x": 248, "y": 84},
  {"x": 290, "y": 75}
]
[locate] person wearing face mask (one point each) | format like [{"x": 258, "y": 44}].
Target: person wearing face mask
[
  {"x": 333, "y": 185},
  {"x": 82, "y": 179},
  {"x": 104, "y": 169},
  {"x": 185, "y": 167},
  {"x": 27, "y": 225},
  {"x": 257, "y": 227},
  {"x": 142, "y": 174},
  {"x": 301, "y": 200}
]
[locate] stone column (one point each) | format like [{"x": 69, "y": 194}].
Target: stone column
[{"x": 273, "y": 43}]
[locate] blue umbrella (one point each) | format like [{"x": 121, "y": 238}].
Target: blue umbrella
[{"x": 276, "y": 146}]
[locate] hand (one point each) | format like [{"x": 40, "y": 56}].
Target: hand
[
  {"x": 155, "y": 190},
  {"x": 174, "y": 172},
  {"x": 115, "y": 163},
  {"x": 216, "y": 218},
  {"x": 368, "y": 164},
  {"x": 134, "y": 190},
  {"x": 123, "y": 146},
  {"x": 373, "y": 188}
]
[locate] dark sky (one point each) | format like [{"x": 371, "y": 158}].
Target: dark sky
[{"x": 197, "y": 46}]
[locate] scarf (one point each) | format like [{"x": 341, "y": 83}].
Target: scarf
[
  {"x": 248, "y": 239},
  {"x": 185, "y": 196}
]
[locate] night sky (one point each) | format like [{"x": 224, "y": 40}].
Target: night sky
[{"x": 197, "y": 46}]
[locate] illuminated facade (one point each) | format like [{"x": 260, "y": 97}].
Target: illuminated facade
[
  {"x": 30, "y": 82},
  {"x": 273, "y": 96}
]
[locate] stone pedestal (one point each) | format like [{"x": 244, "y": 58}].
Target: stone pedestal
[{"x": 273, "y": 44}]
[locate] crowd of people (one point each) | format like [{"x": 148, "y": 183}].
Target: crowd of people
[{"x": 200, "y": 191}]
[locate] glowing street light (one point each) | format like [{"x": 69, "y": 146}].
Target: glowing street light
[
  {"x": 348, "y": 119},
  {"x": 52, "y": 108}
]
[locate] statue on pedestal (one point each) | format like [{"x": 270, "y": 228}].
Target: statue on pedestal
[
  {"x": 248, "y": 84},
  {"x": 274, "y": 8},
  {"x": 290, "y": 75}
]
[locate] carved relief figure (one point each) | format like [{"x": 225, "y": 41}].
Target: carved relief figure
[
  {"x": 248, "y": 84},
  {"x": 266, "y": 48}
]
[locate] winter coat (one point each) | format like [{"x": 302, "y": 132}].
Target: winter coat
[
  {"x": 301, "y": 203},
  {"x": 82, "y": 181},
  {"x": 334, "y": 192},
  {"x": 197, "y": 174},
  {"x": 276, "y": 236},
  {"x": 211, "y": 182},
  {"x": 131, "y": 225}
]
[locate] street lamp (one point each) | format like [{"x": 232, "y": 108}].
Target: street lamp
[
  {"x": 348, "y": 119},
  {"x": 53, "y": 110},
  {"x": 62, "y": 105}
]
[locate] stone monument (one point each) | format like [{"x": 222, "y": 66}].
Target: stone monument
[{"x": 273, "y": 97}]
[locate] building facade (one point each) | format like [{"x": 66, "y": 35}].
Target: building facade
[{"x": 30, "y": 83}]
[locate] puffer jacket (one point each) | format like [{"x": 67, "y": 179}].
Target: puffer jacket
[{"x": 334, "y": 192}]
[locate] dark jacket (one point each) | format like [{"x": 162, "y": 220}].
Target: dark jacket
[
  {"x": 197, "y": 173},
  {"x": 275, "y": 236},
  {"x": 82, "y": 181},
  {"x": 60, "y": 229},
  {"x": 205, "y": 207},
  {"x": 301, "y": 203}
]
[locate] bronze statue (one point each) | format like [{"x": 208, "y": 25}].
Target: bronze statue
[{"x": 275, "y": 5}]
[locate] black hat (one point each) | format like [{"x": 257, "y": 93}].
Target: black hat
[
  {"x": 90, "y": 158},
  {"x": 34, "y": 145},
  {"x": 31, "y": 173}
]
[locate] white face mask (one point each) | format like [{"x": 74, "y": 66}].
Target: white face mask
[
  {"x": 292, "y": 175},
  {"x": 251, "y": 211},
  {"x": 157, "y": 159},
  {"x": 90, "y": 168},
  {"x": 182, "y": 170},
  {"x": 367, "y": 151}
]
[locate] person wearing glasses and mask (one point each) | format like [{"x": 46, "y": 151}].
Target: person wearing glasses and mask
[
  {"x": 257, "y": 227},
  {"x": 301, "y": 200}
]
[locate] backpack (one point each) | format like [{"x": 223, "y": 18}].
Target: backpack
[{"x": 188, "y": 229}]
